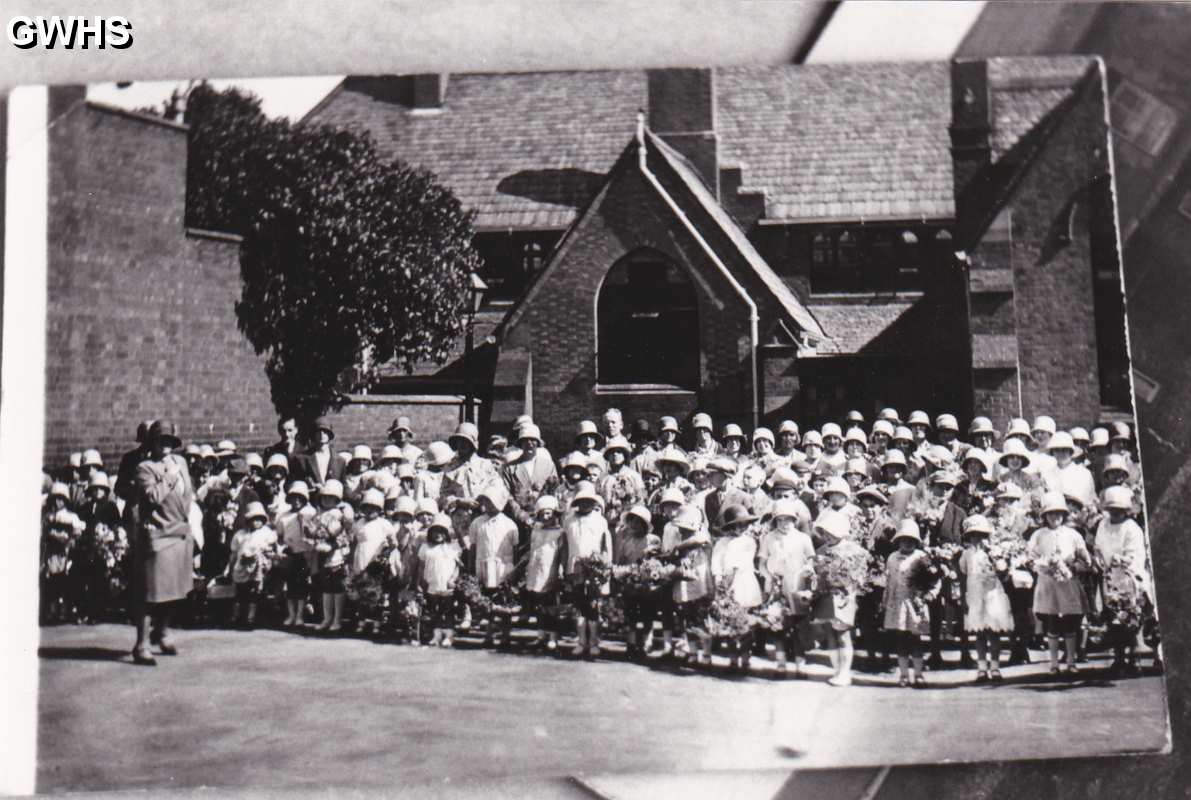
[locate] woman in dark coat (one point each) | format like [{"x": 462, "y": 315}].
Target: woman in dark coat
[{"x": 162, "y": 543}]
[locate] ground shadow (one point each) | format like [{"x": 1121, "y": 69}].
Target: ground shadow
[{"x": 81, "y": 654}]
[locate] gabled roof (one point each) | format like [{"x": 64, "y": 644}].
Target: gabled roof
[{"x": 781, "y": 294}]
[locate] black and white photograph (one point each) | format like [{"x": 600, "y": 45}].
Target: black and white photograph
[{"x": 552, "y": 431}]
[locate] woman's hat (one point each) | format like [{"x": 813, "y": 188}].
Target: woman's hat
[
  {"x": 890, "y": 414},
  {"x": 441, "y": 522},
  {"x": 393, "y": 491},
  {"x": 465, "y": 432},
  {"x": 834, "y": 523},
  {"x": 799, "y": 463},
  {"x": 1014, "y": 447},
  {"x": 255, "y": 510},
  {"x": 99, "y": 480},
  {"x": 763, "y": 433},
  {"x": 439, "y": 454},
  {"x": 672, "y": 455},
  {"x": 787, "y": 507},
  {"x": 699, "y": 465},
  {"x": 546, "y": 502},
  {"x": 374, "y": 498},
  {"x": 831, "y": 429},
  {"x": 620, "y": 443},
  {"x": 701, "y": 421},
  {"x": 278, "y": 461},
  {"x": 60, "y": 489},
  {"x": 1010, "y": 490},
  {"x": 1044, "y": 424},
  {"x": 907, "y": 529},
  {"x": 1054, "y": 501},
  {"x": 1118, "y": 497},
  {"x": 903, "y": 434},
  {"x": 332, "y": 488},
  {"x": 238, "y": 465},
  {"x": 1121, "y": 432},
  {"x": 641, "y": 513},
  {"x": 894, "y": 458},
  {"x": 529, "y": 431},
  {"x": 883, "y": 426},
  {"x": 977, "y": 524},
  {"x": 391, "y": 452},
  {"x": 787, "y": 426},
  {"x": 734, "y": 514},
  {"x": 854, "y": 418},
  {"x": 732, "y": 431},
  {"x": 1099, "y": 437},
  {"x": 856, "y": 435},
  {"x": 856, "y": 466},
  {"x": 586, "y": 491},
  {"x": 254, "y": 460},
  {"x": 362, "y": 452},
  {"x": 1080, "y": 436},
  {"x": 207, "y": 452},
  {"x": 92, "y": 458},
  {"x": 406, "y": 505},
  {"x": 981, "y": 425},
  {"x": 672, "y": 494},
  {"x": 1018, "y": 427},
  {"x": 588, "y": 428},
  {"x": 812, "y": 437},
  {"x": 874, "y": 492},
  {"x": 1115, "y": 462},
  {"x": 688, "y": 518},
  {"x": 947, "y": 422},
  {"x": 321, "y": 424},
  {"x": 299, "y": 488},
  {"x": 979, "y": 455},
  {"x": 427, "y": 505},
  {"x": 918, "y": 418},
  {"x": 573, "y": 460},
  {"x": 193, "y": 449},
  {"x": 1061, "y": 441},
  {"x": 345, "y": 456},
  {"x": 667, "y": 424},
  {"x": 226, "y": 447},
  {"x": 401, "y": 424},
  {"x": 406, "y": 470},
  {"x": 495, "y": 493},
  {"x": 165, "y": 432},
  {"x": 837, "y": 485}
]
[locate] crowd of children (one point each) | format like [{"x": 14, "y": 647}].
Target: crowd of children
[{"x": 898, "y": 537}]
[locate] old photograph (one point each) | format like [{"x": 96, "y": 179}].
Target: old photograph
[{"x": 589, "y": 422}]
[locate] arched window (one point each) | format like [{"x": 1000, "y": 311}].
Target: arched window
[{"x": 648, "y": 323}]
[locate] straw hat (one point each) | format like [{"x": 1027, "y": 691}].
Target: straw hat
[
  {"x": 732, "y": 431},
  {"x": 439, "y": 454},
  {"x": 734, "y": 514},
  {"x": 831, "y": 429},
  {"x": 894, "y": 458},
  {"x": 496, "y": 494},
  {"x": 856, "y": 435},
  {"x": 225, "y": 447},
  {"x": 672, "y": 455},
  {"x": 391, "y": 452},
  {"x": 441, "y": 522},
  {"x": 812, "y": 437},
  {"x": 763, "y": 433},
  {"x": 1014, "y": 447},
  {"x": 856, "y": 466},
  {"x": 788, "y": 426},
  {"x": 641, "y": 513},
  {"x": 688, "y": 518},
  {"x": 918, "y": 418},
  {"x": 854, "y": 418},
  {"x": 981, "y": 425},
  {"x": 92, "y": 458},
  {"x": 1099, "y": 437},
  {"x": 406, "y": 470},
  {"x": 278, "y": 461},
  {"x": 701, "y": 421},
  {"x": 1115, "y": 462},
  {"x": 99, "y": 480},
  {"x": 873, "y": 491},
  {"x": 947, "y": 422},
  {"x": 667, "y": 424},
  {"x": 586, "y": 491},
  {"x": 588, "y": 428},
  {"x": 1018, "y": 427},
  {"x": 616, "y": 443},
  {"x": 903, "y": 434},
  {"x": 891, "y": 415},
  {"x": 1118, "y": 497},
  {"x": 1044, "y": 424},
  {"x": 672, "y": 495},
  {"x": 332, "y": 488},
  {"x": 299, "y": 488},
  {"x": 427, "y": 505},
  {"x": 1061, "y": 441},
  {"x": 529, "y": 431},
  {"x": 407, "y": 505},
  {"x": 255, "y": 510},
  {"x": 362, "y": 452},
  {"x": 465, "y": 432},
  {"x": 787, "y": 507},
  {"x": 60, "y": 489},
  {"x": 1054, "y": 501},
  {"x": 837, "y": 485},
  {"x": 977, "y": 524},
  {"x": 907, "y": 529},
  {"x": 883, "y": 426}
]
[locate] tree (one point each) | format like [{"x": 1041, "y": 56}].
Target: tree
[{"x": 349, "y": 261}]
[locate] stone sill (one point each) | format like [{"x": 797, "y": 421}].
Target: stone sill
[
  {"x": 844, "y": 297},
  {"x": 643, "y": 389}
]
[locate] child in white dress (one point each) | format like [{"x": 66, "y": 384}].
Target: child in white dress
[
  {"x": 1120, "y": 555},
  {"x": 586, "y": 534},
  {"x": 907, "y": 608},
  {"x": 987, "y": 613},
  {"x": 438, "y": 570},
  {"x": 369, "y": 535},
  {"x": 1058, "y": 552},
  {"x": 541, "y": 573},
  {"x": 732, "y": 562},
  {"x": 251, "y": 551},
  {"x": 785, "y": 556},
  {"x": 494, "y": 535}
]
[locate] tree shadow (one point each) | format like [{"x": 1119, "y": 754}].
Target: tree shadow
[{"x": 81, "y": 654}]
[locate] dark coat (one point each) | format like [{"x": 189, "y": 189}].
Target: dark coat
[{"x": 305, "y": 466}]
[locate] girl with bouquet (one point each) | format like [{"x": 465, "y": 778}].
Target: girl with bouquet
[
  {"x": 253, "y": 549},
  {"x": 438, "y": 571},
  {"x": 586, "y": 539},
  {"x": 1059, "y": 601},
  {"x": 1120, "y": 556},
  {"x": 786, "y": 558},
  {"x": 634, "y": 543},
  {"x": 841, "y": 568},
  {"x": 99, "y": 562},
  {"x": 291, "y": 528},
  {"x": 872, "y": 529},
  {"x": 60, "y": 529},
  {"x": 409, "y": 536},
  {"x": 987, "y": 612},
  {"x": 1011, "y": 524},
  {"x": 911, "y": 584},
  {"x": 732, "y": 560},
  {"x": 541, "y": 573},
  {"x": 688, "y": 541},
  {"x": 329, "y": 536},
  {"x": 373, "y": 538},
  {"x": 495, "y": 537},
  {"x": 621, "y": 487}
]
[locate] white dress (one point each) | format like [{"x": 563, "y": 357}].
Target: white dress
[
  {"x": 1128, "y": 542},
  {"x": 541, "y": 575},
  {"x": 785, "y": 556},
  {"x": 495, "y": 538},
  {"x": 733, "y": 558},
  {"x": 440, "y": 566},
  {"x": 369, "y": 536},
  {"x": 988, "y": 604}
]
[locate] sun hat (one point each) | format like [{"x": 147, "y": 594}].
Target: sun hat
[
  {"x": 255, "y": 510},
  {"x": 890, "y": 414},
  {"x": 1119, "y": 497},
  {"x": 588, "y": 428},
  {"x": 1044, "y": 424},
  {"x": 1010, "y": 490},
  {"x": 907, "y": 529},
  {"x": 903, "y": 434},
  {"x": 812, "y": 437},
  {"x": 799, "y": 464},
  {"x": 441, "y": 522},
  {"x": 193, "y": 449},
  {"x": 522, "y": 421},
  {"x": 1115, "y": 462},
  {"x": 641, "y": 513},
  {"x": 60, "y": 489},
  {"x": 427, "y": 505},
  {"x": 699, "y": 465},
  {"x": 938, "y": 456},
  {"x": 919, "y": 417},
  {"x": 1121, "y": 432},
  {"x": 406, "y": 505},
  {"x": 496, "y": 494},
  {"x": 734, "y": 514},
  {"x": 374, "y": 498},
  {"x": 238, "y": 465},
  {"x": 787, "y": 426},
  {"x": 573, "y": 460},
  {"x": 856, "y": 435},
  {"x": 834, "y": 523},
  {"x": 981, "y": 425},
  {"x": 401, "y": 424},
  {"x": 467, "y": 432},
  {"x": 883, "y": 426},
  {"x": 439, "y": 454},
  {"x": 947, "y": 422},
  {"x": 949, "y": 477},
  {"x": 856, "y": 466},
  {"x": 701, "y": 421},
  {"x": 165, "y": 431},
  {"x": 332, "y": 488},
  {"x": 345, "y": 456},
  {"x": 299, "y": 488},
  {"x": 1061, "y": 441},
  {"x": 837, "y": 485},
  {"x": 831, "y": 429},
  {"x": 207, "y": 452},
  {"x": 1014, "y": 447},
  {"x": 763, "y": 433},
  {"x": 226, "y": 447},
  {"x": 406, "y": 470},
  {"x": 667, "y": 424},
  {"x": 1079, "y": 435},
  {"x": 672, "y": 494},
  {"x": 391, "y": 452},
  {"x": 672, "y": 455},
  {"x": 977, "y": 454},
  {"x": 787, "y": 507},
  {"x": 99, "y": 479},
  {"x": 732, "y": 430},
  {"x": 362, "y": 452},
  {"x": 546, "y": 502},
  {"x": 977, "y": 523},
  {"x": 784, "y": 478},
  {"x": 1019, "y": 427},
  {"x": 874, "y": 492},
  {"x": 854, "y": 417},
  {"x": 586, "y": 491},
  {"x": 1054, "y": 501},
  {"x": 1099, "y": 437},
  {"x": 278, "y": 461},
  {"x": 620, "y": 443},
  {"x": 894, "y": 458},
  {"x": 529, "y": 431},
  {"x": 92, "y": 458},
  {"x": 254, "y": 460},
  {"x": 688, "y": 518},
  {"x": 321, "y": 424}
]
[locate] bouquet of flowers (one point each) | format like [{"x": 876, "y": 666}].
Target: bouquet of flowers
[
  {"x": 646, "y": 576},
  {"x": 410, "y": 603},
  {"x": 226, "y": 519},
  {"x": 877, "y": 578},
  {"x": 329, "y": 536},
  {"x": 612, "y": 611},
  {"x": 945, "y": 556},
  {"x": 771, "y": 615},
  {"x": 467, "y": 592},
  {"x": 505, "y": 599},
  {"x": 726, "y": 618},
  {"x": 927, "y": 511},
  {"x": 1056, "y": 567},
  {"x": 367, "y": 592},
  {"x": 841, "y": 570},
  {"x": 925, "y": 577},
  {"x": 594, "y": 570}
]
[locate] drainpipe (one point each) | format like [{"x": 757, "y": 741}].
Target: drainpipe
[{"x": 753, "y": 319}]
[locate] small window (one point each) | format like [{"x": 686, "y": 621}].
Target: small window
[{"x": 1142, "y": 119}]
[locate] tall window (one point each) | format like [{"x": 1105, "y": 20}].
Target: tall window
[
  {"x": 511, "y": 260},
  {"x": 648, "y": 323}
]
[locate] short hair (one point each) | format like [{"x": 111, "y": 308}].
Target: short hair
[
  {"x": 281, "y": 422},
  {"x": 614, "y": 412}
]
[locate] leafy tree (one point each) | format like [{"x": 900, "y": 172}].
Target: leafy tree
[{"x": 349, "y": 261}]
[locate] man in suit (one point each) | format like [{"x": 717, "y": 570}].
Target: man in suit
[{"x": 287, "y": 428}]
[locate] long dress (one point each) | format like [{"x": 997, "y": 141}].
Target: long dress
[{"x": 163, "y": 547}]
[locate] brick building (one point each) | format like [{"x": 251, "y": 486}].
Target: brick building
[{"x": 932, "y": 235}]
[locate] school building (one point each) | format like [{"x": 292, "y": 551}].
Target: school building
[{"x": 755, "y": 242}]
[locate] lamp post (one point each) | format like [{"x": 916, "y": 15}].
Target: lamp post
[{"x": 476, "y": 290}]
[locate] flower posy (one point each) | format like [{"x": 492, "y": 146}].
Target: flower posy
[{"x": 841, "y": 570}]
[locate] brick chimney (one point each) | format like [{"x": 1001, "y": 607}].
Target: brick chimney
[
  {"x": 428, "y": 90},
  {"x": 970, "y": 123},
  {"x": 682, "y": 113}
]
